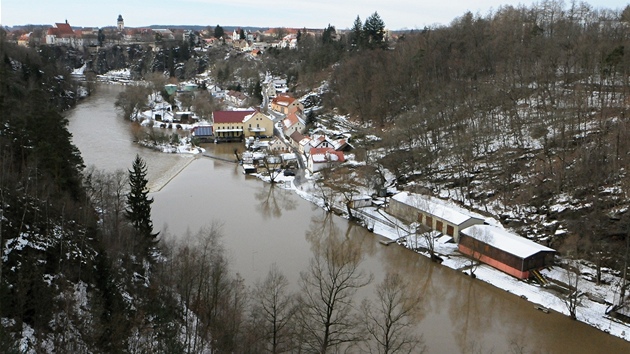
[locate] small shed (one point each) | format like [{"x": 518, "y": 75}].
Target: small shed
[
  {"x": 361, "y": 201},
  {"x": 436, "y": 214},
  {"x": 170, "y": 88},
  {"x": 504, "y": 250},
  {"x": 202, "y": 132}
]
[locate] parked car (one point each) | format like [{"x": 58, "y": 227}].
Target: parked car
[{"x": 289, "y": 173}]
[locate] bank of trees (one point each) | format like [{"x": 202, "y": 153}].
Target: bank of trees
[{"x": 512, "y": 110}]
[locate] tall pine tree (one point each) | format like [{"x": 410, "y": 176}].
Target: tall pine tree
[
  {"x": 356, "y": 34},
  {"x": 138, "y": 210},
  {"x": 374, "y": 31}
]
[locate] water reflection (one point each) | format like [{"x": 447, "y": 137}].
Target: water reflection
[
  {"x": 469, "y": 313},
  {"x": 274, "y": 200}
]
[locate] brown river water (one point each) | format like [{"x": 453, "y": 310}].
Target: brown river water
[{"x": 262, "y": 225}]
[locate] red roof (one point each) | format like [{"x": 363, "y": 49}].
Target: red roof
[
  {"x": 290, "y": 120},
  {"x": 61, "y": 30},
  {"x": 283, "y": 100},
  {"x": 230, "y": 116},
  {"x": 64, "y": 29},
  {"x": 326, "y": 154}
]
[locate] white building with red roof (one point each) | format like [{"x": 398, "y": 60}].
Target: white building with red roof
[
  {"x": 293, "y": 123},
  {"x": 62, "y": 34},
  {"x": 319, "y": 159}
]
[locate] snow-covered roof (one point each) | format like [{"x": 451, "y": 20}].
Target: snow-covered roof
[
  {"x": 434, "y": 206},
  {"x": 505, "y": 240},
  {"x": 255, "y": 113},
  {"x": 305, "y": 141},
  {"x": 326, "y": 155},
  {"x": 283, "y": 100},
  {"x": 291, "y": 120}
]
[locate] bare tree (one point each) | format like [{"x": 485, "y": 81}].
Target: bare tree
[
  {"x": 132, "y": 101},
  {"x": 572, "y": 299},
  {"x": 476, "y": 244},
  {"x": 326, "y": 316},
  {"x": 107, "y": 191},
  {"x": 343, "y": 183},
  {"x": 270, "y": 166},
  {"x": 273, "y": 309},
  {"x": 203, "y": 104},
  {"x": 391, "y": 320}
]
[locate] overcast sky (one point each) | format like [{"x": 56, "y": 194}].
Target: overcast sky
[{"x": 397, "y": 14}]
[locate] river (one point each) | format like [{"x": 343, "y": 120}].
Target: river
[{"x": 263, "y": 225}]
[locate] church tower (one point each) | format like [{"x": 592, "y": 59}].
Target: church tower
[{"x": 120, "y": 23}]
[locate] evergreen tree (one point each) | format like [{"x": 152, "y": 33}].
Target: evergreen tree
[
  {"x": 374, "y": 31},
  {"x": 257, "y": 92},
  {"x": 218, "y": 32},
  {"x": 356, "y": 35},
  {"x": 101, "y": 37},
  {"x": 241, "y": 34},
  {"x": 329, "y": 34},
  {"x": 138, "y": 210}
]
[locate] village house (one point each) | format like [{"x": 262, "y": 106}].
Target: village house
[
  {"x": 228, "y": 125},
  {"x": 433, "y": 213},
  {"x": 24, "y": 39},
  {"x": 236, "y": 97},
  {"x": 320, "y": 141},
  {"x": 257, "y": 125},
  {"x": 319, "y": 159},
  {"x": 63, "y": 34},
  {"x": 293, "y": 123},
  {"x": 277, "y": 146},
  {"x": 283, "y": 103},
  {"x": 89, "y": 36},
  {"x": 289, "y": 41},
  {"x": 295, "y": 138},
  {"x": 164, "y": 34},
  {"x": 304, "y": 145},
  {"x": 503, "y": 250},
  {"x": 341, "y": 145}
]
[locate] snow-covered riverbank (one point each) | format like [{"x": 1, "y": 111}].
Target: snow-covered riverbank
[{"x": 593, "y": 303}]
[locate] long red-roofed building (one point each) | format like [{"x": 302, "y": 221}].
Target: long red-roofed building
[{"x": 228, "y": 125}]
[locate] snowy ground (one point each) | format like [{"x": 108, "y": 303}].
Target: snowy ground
[{"x": 588, "y": 311}]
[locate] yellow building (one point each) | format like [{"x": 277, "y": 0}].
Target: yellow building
[
  {"x": 257, "y": 124},
  {"x": 228, "y": 125},
  {"x": 285, "y": 104}
]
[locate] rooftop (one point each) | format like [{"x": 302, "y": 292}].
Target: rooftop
[
  {"x": 437, "y": 207},
  {"x": 505, "y": 240}
]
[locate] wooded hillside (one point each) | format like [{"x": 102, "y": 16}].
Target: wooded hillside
[{"x": 522, "y": 113}]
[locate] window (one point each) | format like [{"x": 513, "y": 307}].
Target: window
[
  {"x": 420, "y": 218},
  {"x": 450, "y": 230},
  {"x": 429, "y": 221},
  {"x": 439, "y": 226}
]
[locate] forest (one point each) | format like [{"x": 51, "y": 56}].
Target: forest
[{"x": 519, "y": 113}]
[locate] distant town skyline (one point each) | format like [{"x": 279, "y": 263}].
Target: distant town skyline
[{"x": 397, "y": 14}]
